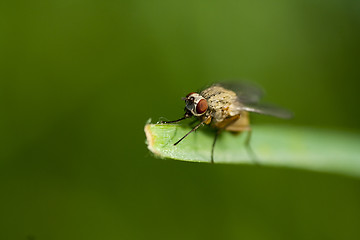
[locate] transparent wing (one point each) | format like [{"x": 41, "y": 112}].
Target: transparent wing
[
  {"x": 249, "y": 96},
  {"x": 268, "y": 110},
  {"x": 247, "y": 93}
]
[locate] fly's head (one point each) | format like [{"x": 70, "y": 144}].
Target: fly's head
[{"x": 195, "y": 104}]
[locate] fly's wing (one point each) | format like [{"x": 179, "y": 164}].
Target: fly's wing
[
  {"x": 247, "y": 93},
  {"x": 267, "y": 109}
]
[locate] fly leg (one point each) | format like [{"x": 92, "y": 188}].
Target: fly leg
[
  {"x": 193, "y": 130},
  {"x": 249, "y": 149},
  {"x": 186, "y": 115},
  {"x": 242, "y": 125},
  {"x": 213, "y": 145},
  {"x": 223, "y": 126}
]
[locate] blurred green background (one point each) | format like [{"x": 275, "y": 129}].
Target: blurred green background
[{"x": 79, "y": 79}]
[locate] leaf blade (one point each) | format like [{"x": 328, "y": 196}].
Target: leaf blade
[{"x": 284, "y": 146}]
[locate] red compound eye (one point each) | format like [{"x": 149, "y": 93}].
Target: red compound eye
[{"x": 202, "y": 106}]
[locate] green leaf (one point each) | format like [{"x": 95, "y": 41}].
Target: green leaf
[{"x": 276, "y": 145}]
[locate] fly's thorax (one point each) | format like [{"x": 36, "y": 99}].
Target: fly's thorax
[
  {"x": 222, "y": 102},
  {"x": 196, "y": 104}
]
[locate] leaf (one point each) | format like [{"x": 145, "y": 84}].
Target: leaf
[{"x": 275, "y": 145}]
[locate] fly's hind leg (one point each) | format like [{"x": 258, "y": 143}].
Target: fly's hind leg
[
  {"x": 247, "y": 144},
  {"x": 249, "y": 149},
  {"x": 243, "y": 125}
]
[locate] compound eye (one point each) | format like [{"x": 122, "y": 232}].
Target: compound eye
[{"x": 201, "y": 107}]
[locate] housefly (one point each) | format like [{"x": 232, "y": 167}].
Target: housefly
[{"x": 226, "y": 106}]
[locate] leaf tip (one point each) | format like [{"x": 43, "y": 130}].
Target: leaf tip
[{"x": 150, "y": 138}]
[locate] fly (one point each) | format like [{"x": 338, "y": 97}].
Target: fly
[{"x": 226, "y": 107}]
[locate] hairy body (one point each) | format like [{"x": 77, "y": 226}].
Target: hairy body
[{"x": 224, "y": 110}]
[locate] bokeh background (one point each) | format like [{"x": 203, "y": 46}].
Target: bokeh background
[{"x": 79, "y": 79}]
